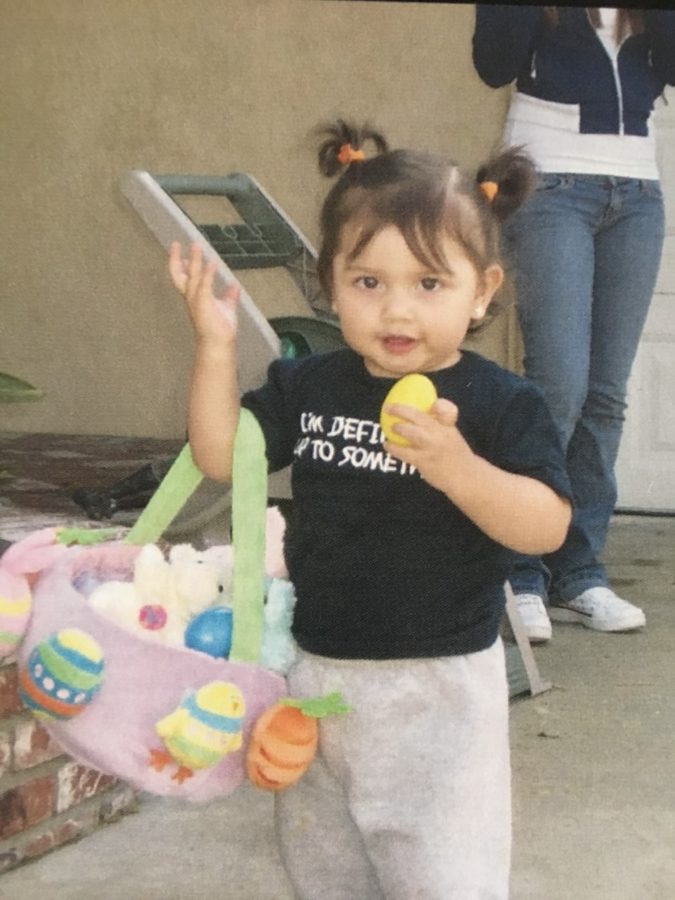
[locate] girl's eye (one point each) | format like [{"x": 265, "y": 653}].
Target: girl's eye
[
  {"x": 367, "y": 281},
  {"x": 430, "y": 283}
]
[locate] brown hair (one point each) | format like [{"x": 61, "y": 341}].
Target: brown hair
[
  {"x": 628, "y": 21},
  {"x": 425, "y": 196}
]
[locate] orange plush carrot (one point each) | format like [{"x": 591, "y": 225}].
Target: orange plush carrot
[{"x": 285, "y": 739}]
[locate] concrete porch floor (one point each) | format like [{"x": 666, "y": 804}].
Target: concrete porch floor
[{"x": 593, "y": 779}]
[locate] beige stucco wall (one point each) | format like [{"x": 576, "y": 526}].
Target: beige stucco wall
[{"x": 93, "y": 88}]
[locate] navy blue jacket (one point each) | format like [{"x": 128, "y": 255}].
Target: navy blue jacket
[{"x": 569, "y": 64}]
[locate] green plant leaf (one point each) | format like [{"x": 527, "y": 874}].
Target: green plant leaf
[{"x": 14, "y": 390}]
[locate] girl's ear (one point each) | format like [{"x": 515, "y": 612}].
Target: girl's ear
[{"x": 491, "y": 280}]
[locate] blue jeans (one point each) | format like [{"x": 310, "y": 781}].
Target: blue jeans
[{"x": 585, "y": 252}]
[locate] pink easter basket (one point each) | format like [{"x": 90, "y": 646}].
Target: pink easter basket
[{"x": 142, "y": 681}]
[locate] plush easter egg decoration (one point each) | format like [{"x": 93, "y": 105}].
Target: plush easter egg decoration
[
  {"x": 204, "y": 728},
  {"x": 19, "y": 563},
  {"x": 211, "y": 632},
  {"x": 15, "y": 606},
  {"x": 411, "y": 390},
  {"x": 62, "y": 675}
]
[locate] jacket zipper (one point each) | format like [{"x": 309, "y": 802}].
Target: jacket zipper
[
  {"x": 617, "y": 81},
  {"x": 614, "y": 62}
]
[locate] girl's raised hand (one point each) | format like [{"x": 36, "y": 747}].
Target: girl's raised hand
[{"x": 214, "y": 319}]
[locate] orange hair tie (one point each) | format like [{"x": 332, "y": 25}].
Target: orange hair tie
[
  {"x": 347, "y": 154},
  {"x": 490, "y": 189}
]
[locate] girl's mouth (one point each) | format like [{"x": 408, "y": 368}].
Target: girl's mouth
[{"x": 398, "y": 343}]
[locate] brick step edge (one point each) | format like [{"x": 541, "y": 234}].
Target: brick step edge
[{"x": 71, "y": 825}]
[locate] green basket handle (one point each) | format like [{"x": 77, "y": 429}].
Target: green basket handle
[{"x": 249, "y": 505}]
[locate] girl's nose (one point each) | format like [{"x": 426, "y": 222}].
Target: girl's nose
[{"x": 397, "y": 304}]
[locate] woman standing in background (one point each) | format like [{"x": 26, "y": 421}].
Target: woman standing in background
[{"x": 585, "y": 251}]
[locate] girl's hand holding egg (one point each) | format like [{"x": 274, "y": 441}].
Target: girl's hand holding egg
[
  {"x": 416, "y": 391},
  {"x": 421, "y": 430}
]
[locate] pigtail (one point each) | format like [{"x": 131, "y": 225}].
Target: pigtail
[
  {"x": 506, "y": 181},
  {"x": 343, "y": 146}
]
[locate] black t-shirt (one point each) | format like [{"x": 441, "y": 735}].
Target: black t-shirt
[{"x": 384, "y": 565}]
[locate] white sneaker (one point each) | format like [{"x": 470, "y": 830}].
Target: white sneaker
[
  {"x": 534, "y": 618},
  {"x": 599, "y": 608}
]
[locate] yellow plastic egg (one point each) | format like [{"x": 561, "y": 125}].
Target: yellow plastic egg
[{"x": 411, "y": 390}]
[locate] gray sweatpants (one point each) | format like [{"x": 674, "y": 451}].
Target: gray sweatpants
[{"x": 410, "y": 794}]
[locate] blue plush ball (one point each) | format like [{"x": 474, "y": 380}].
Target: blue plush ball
[{"x": 211, "y": 632}]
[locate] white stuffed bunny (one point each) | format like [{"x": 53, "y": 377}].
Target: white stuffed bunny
[{"x": 165, "y": 594}]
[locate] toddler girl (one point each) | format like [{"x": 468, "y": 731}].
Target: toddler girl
[{"x": 398, "y": 553}]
